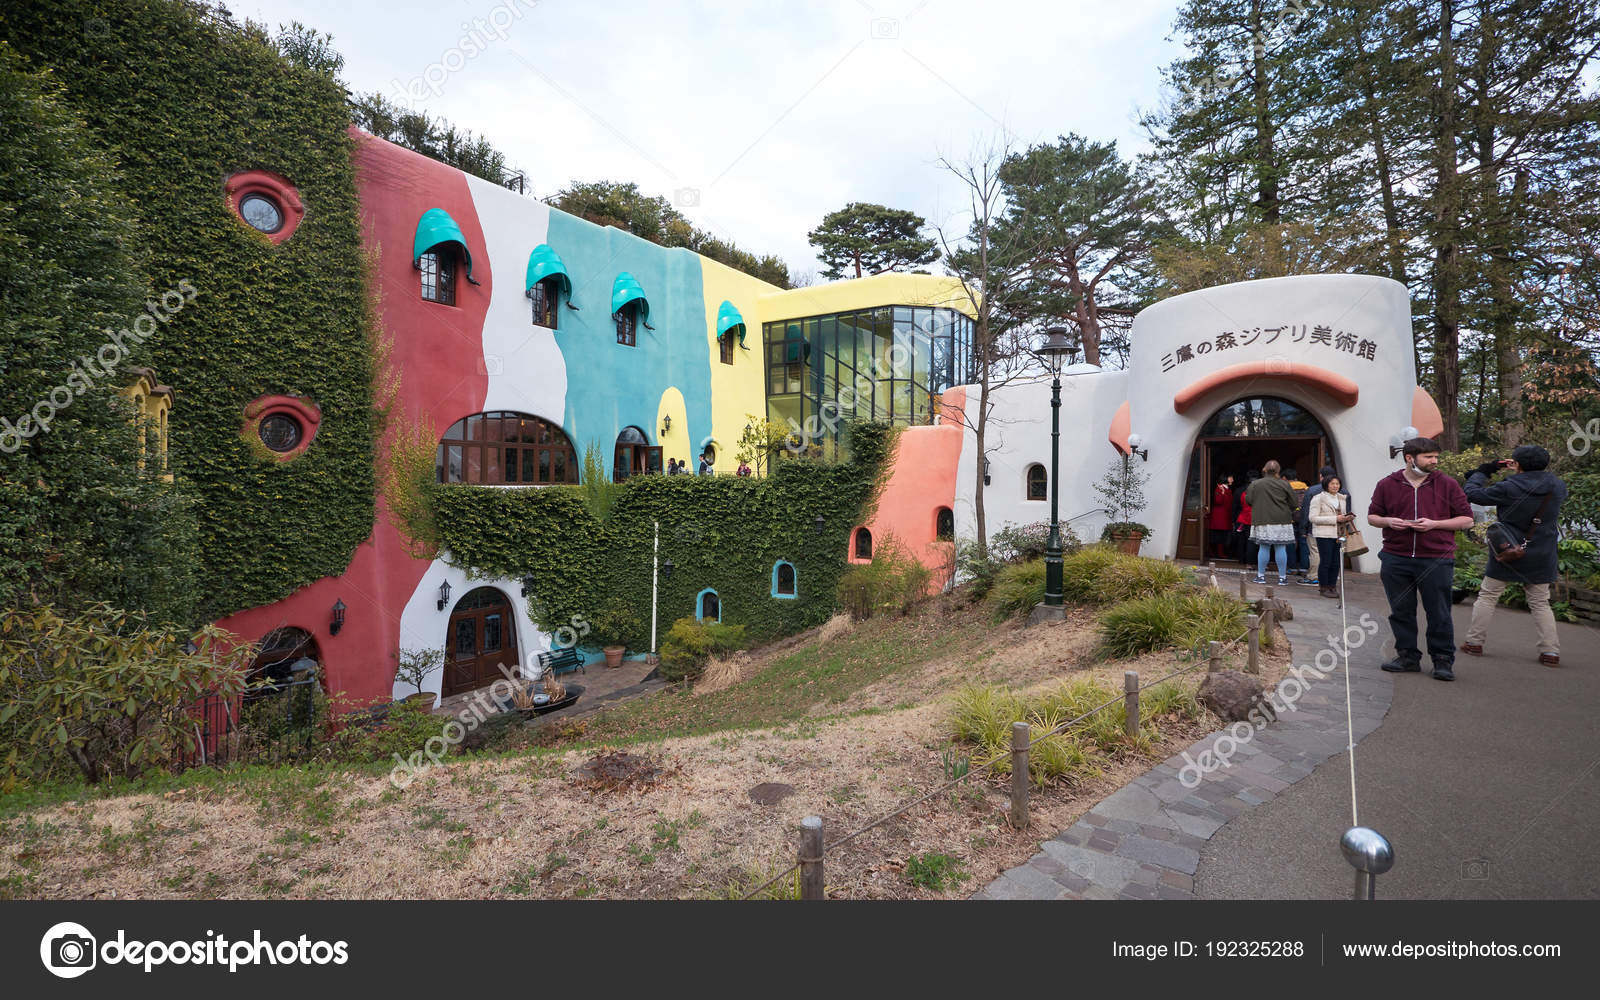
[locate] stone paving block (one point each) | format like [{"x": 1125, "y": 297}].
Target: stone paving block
[
  {"x": 1254, "y": 798},
  {"x": 1046, "y": 864},
  {"x": 1168, "y": 892},
  {"x": 1198, "y": 824},
  {"x": 1137, "y": 891},
  {"x": 1133, "y": 804},
  {"x": 1098, "y": 868},
  {"x": 1006, "y": 887},
  {"x": 1035, "y": 883},
  {"x": 1173, "y": 856},
  {"x": 1099, "y": 892},
  {"x": 1118, "y": 825}
]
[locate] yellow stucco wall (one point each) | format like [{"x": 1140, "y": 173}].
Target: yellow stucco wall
[
  {"x": 864, "y": 293},
  {"x": 737, "y": 390}
]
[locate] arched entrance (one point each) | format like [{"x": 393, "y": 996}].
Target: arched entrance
[
  {"x": 1239, "y": 439},
  {"x": 482, "y": 638},
  {"x": 635, "y": 456}
]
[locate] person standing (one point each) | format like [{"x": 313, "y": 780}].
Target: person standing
[
  {"x": 1241, "y": 528},
  {"x": 705, "y": 464},
  {"x": 1220, "y": 519},
  {"x": 1300, "y": 552},
  {"x": 744, "y": 468},
  {"x": 1272, "y": 510},
  {"x": 1419, "y": 509},
  {"x": 1305, "y": 512},
  {"x": 1528, "y": 501},
  {"x": 1330, "y": 512}
]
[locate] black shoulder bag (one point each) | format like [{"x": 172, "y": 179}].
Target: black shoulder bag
[{"x": 1506, "y": 543}]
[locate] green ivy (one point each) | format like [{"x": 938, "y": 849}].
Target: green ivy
[
  {"x": 720, "y": 532},
  {"x": 183, "y": 96}
]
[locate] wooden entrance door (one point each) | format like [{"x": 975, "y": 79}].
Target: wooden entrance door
[
  {"x": 1196, "y": 505},
  {"x": 482, "y": 637}
]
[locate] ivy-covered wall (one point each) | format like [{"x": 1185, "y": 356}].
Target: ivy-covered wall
[
  {"x": 721, "y": 532},
  {"x": 183, "y": 97}
]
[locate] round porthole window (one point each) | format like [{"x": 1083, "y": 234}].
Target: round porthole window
[
  {"x": 280, "y": 432},
  {"x": 261, "y": 213}
]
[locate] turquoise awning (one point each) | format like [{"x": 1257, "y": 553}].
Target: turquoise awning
[
  {"x": 545, "y": 263},
  {"x": 626, "y": 289},
  {"x": 728, "y": 318},
  {"x": 435, "y": 229}
]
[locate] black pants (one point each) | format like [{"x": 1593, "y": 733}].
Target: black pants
[
  {"x": 1404, "y": 580},
  {"x": 1328, "y": 562}
]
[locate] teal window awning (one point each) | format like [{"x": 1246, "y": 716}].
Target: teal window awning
[
  {"x": 626, "y": 290},
  {"x": 544, "y": 263},
  {"x": 436, "y": 229},
  {"x": 728, "y": 318}
]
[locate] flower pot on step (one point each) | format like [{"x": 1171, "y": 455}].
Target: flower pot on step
[{"x": 614, "y": 655}]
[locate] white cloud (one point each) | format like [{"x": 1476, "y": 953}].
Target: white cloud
[{"x": 776, "y": 115}]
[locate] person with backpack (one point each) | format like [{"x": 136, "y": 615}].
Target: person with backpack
[
  {"x": 1522, "y": 543},
  {"x": 1272, "y": 513}
]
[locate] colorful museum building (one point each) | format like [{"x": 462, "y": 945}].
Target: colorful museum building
[{"x": 525, "y": 337}]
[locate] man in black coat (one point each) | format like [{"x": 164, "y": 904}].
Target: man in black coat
[{"x": 1531, "y": 493}]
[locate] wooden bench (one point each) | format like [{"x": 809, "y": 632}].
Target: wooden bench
[{"x": 562, "y": 661}]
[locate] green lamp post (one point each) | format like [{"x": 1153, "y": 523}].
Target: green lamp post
[{"x": 1057, "y": 351}]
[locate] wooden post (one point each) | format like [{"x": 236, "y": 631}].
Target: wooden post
[
  {"x": 811, "y": 858},
  {"x": 1216, "y": 657},
  {"x": 1242, "y": 594},
  {"x": 1019, "y": 775},
  {"x": 1130, "y": 698},
  {"x": 1253, "y": 664}
]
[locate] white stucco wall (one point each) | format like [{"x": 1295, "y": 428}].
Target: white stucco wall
[{"x": 1273, "y": 321}]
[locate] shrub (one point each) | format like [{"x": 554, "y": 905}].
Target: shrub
[
  {"x": 616, "y": 625},
  {"x": 1129, "y": 577},
  {"x": 1017, "y": 589},
  {"x": 104, "y": 688},
  {"x": 1021, "y": 543},
  {"x": 894, "y": 581},
  {"x": 689, "y": 644},
  {"x": 1186, "y": 618},
  {"x": 1210, "y": 616},
  {"x": 977, "y": 567},
  {"x": 1081, "y": 573}
]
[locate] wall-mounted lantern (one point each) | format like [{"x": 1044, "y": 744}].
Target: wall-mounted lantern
[
  {"x": 1134, "y": 441},
  {"x": 820, "y": 523},
  {"x": 1397, "y": 443},
  {"x": 666, "y": 424},
  {"x": 444, "y": 594},
  {"x": 527, "y": 584},
  {"x": 666, "y": 570},
  {"x": 336, "y": 622},
  {"x": 986, "y": 479}
]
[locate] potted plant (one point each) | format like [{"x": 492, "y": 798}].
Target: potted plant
[
  {"x": 613, "y": 629},
  {"x": 1122, "y": 491},
  {"x": 415, "y": 666}
]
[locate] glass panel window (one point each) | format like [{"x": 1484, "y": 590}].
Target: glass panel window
[
  {"x": 438, "y": 276},
  {"x": 472, "y": 452},
  {"x": 466, "y": 638},
  {"x": 491, "y": 633},
  {"x": 1038, "y": 483}
]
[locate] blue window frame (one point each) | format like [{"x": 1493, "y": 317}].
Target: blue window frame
[
  {"x": 707, "y": 605},
  {"x": 785, "y": 581}
]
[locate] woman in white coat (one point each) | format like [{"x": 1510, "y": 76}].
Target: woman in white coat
[{"x": 1329, "y": 511}]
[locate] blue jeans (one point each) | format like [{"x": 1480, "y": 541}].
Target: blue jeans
[
  {"x": 1280, "y": 551},
  {"x": 1302, "y": 551},
  {"x": 1405, "y": 579},
  {"x": 1328, "y": 562}
]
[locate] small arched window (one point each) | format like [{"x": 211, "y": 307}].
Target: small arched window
[
  {"x": 944, "y": 525},
  {"x": 438, "y": 268},
  {"x": 627, "y": 322},
  {"x": 1038, "y": 482},
  {"x": 783, "y": 580},
  {"x": 543, "y": 295},
  {"x": 634, "y": 455},
  {"x": 708, "y": 607},
  {"x": 863, "y": 543}
]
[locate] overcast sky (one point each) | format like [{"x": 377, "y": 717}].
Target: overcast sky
[{"x": 757, "y": 119}]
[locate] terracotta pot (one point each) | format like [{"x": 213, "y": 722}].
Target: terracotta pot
[
  {"x": 422, "y": 699},
  {"x": 614, "y": 655},
  {"x": 1129, "y": 543}
]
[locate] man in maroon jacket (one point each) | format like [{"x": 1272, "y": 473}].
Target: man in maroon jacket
[{"x": 1420, "y": 510}]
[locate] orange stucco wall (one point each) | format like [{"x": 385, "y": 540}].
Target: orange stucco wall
[{"x": 921, "y": 480}]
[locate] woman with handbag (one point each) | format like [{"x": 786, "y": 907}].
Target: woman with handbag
[
  {"x": 1330, "y": 515},
  {"x": 1522, "y": 543}
]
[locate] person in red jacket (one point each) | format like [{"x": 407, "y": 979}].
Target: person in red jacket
[
  {"x": 1420, "y": 510},
  {"x": 1220, "y": 520},
  {"x": 1241, "y": 529}
]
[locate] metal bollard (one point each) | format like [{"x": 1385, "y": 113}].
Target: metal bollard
[
  {"x": 1370, "y": 854},
  {"x": 1019, "y": 774},
  {"x": 1130, "y": 699},
  {"x": 811, "y": 858}
]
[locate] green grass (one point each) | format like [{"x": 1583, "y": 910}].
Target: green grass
[
  {"x": 934, "y": 872},
  {"x": 1187, "y": 618}
]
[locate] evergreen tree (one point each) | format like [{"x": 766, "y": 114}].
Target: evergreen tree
[{"x": 863, "y": 238}]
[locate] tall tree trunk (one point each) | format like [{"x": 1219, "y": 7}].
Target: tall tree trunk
[
  {"x": 1446, "y": 238},
  {"x": 1261, "y": 91}
]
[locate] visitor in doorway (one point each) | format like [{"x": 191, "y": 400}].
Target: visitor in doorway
[
  {"x": 1529, "y": 501},
  {"x": 1420, "y": 510},
  {"x": 1330, "y": 512},
  {"x": 1244, "y": 548},
  {"x": 1220, "y": 520},
  {"x": 705, "y": 465},
  {"x": 744, "y": 468},
  {"x": 1300, "y": 554},
  {"x": 1272, "y": 507}
]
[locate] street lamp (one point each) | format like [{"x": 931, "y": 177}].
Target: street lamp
[{"x": 1057, "y": 351}]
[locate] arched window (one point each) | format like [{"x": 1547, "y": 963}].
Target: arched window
[
  {"x": 543, "y": 295},
  {"x": 1038, "y": 483},
  {"x": 627, "y": 323},
  {"x": 863, "y": 543},
  {"x": 438, "y": 268},
  {"x": 944, "y": 525},
  {"x": 285, "y": 654},
  {"x": 708, "y": 607},
  {"x": 505, "y": 448},
  {"x": 783, "y": 580},
  {"x": 634, "y": 455}
]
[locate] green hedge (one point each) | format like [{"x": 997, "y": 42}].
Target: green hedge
[
  {"x": 184, "y": 97},
  {"x": 720, "y": 532}
]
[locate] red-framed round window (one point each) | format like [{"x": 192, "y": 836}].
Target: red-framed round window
[
  {"x": 265, "y": 202},
  {"x": 283, "y": 425}
]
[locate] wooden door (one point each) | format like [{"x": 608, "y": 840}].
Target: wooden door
[
  {"x": 1196, "y": 501},
  {"x": 482, "y": 637}
]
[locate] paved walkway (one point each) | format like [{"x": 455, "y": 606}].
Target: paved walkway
[{"x": 1485, "y": 786}]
